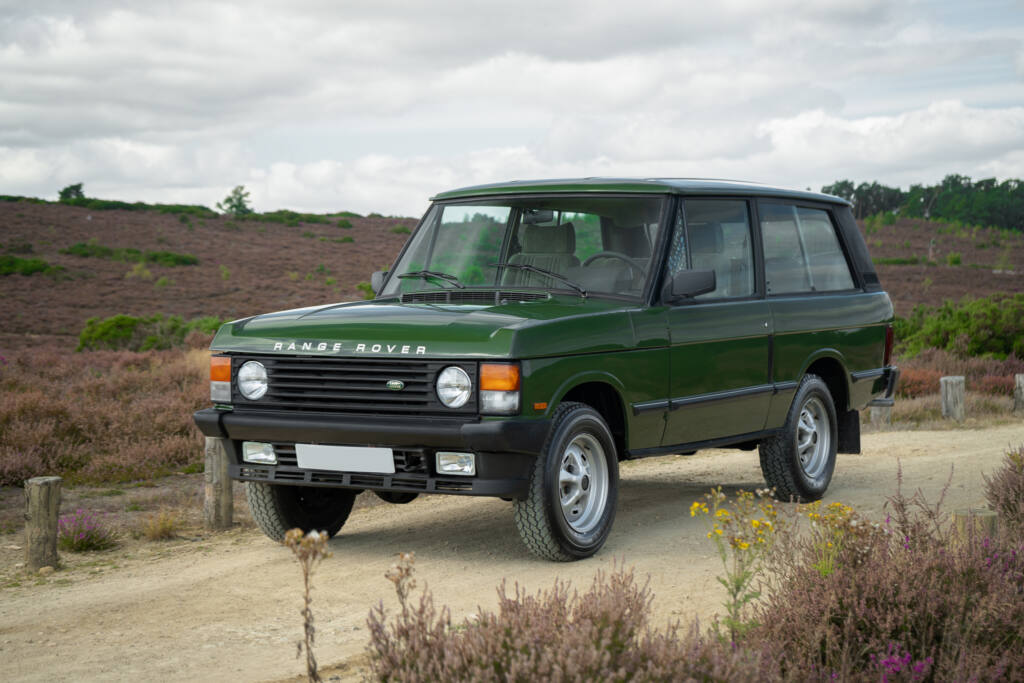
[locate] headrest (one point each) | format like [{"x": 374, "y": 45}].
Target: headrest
[
  {"x": 541, "y": 239},
  {"x": 632, "y": 241},
  {"x": 706, "y": 238}
]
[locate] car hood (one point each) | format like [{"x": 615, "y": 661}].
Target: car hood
[{"x": 555, "y": 326}]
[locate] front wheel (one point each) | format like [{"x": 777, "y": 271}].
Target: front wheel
[
  {"x": 798, "y": 463},
  {"x": 277, "y": 508},
  {"x": 570, "y": 505}
]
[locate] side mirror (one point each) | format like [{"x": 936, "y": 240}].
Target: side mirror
[
  {"x": 377, "y": 280},
  {"x": 688, "y": 284}
]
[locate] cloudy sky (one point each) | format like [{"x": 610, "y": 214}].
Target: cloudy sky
[{"x": 325, "y": 105}]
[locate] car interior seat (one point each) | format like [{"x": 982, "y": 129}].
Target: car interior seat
[{"x": 543, "y": 246}]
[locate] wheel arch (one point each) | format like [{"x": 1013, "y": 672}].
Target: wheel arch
[
  {"x": 830, "y": 366},
  {"x": 602, "y": 392}
]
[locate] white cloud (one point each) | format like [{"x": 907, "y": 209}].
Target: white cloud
[{"x": 376, "y": 105}]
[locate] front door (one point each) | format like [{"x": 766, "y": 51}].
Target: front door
[{"x": 720, "y": 355}]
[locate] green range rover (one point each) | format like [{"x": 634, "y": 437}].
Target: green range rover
[{"x": 531, "y": 335}]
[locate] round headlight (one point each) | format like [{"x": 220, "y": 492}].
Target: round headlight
[
  {"x": 252, "y": 380},
  {"x": 454, "y": 387}
]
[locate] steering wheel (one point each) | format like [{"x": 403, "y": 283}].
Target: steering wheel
[{"x": 616, "y": 255}]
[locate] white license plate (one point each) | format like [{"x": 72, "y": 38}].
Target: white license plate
[{"x": 345, "y": 458}]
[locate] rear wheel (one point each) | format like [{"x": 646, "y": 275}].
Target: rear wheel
[
  {"x": 277, "y": 508},
  {"x": 798, "y": 463},
  {"x": 570, "y": 506}
]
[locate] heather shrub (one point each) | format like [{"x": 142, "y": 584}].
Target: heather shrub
[
  {"x": 1004, "y": 491},
  {"x": 100, "y": 416},
  {"x": 82, "y": 531},
  {"x": 916, "y": 382},
  {"x": 993, "y": 376},
  {"x": 602, "y": 634},
  {"x": 910, "y": 604},
  {"x": 142, "y": 333}
]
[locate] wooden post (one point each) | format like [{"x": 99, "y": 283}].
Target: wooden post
[
  {"x": 42, "y": 508},
  {"x": 881, "y": 415},
  {"x": 975, "y": 522},
  {"x": 953, "y": 389},
  {"x": 1018, "y": 394},
  {"x": 218, "y": 502}
]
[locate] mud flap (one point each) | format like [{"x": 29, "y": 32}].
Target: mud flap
[{"x": 849, "y": 432}]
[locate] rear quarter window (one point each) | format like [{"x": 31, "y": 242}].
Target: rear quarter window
[{"x": 801, "y": 250}]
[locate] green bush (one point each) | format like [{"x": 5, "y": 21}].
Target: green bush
[
  {"x": 113, "y": 204},
  {"x": 401, "y": 230},
  {"x": 366, "y": 288},
  {"x": 12, "y": 265},
  {"x": 344, "y": 240},
  {"x": 285, "y": 217},
  {"x": 127, "y": 332},
  {"x": 897, "y": 261},
  {"x": 129, "y": 255},
  {"x": 992, "y": 326},
  {"x": 344, "y": 223},
  {"x": 954, "y": 258}
]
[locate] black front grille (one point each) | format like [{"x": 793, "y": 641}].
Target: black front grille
[
  {"x": 351, "y": 385},
  {"x": 458, "y": 296}
]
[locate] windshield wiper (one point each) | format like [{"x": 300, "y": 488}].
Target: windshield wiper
[
  {"x": 426, "y": 274},
  {"x": 541, "y": 271}
]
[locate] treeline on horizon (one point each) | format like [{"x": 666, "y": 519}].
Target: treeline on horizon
[{"x": 956, "y": 198}]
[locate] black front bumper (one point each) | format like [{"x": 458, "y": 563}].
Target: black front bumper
[{"x": 505, "y": 449}]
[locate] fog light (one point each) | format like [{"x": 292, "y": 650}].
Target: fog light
[
  {"x": 499, "y": 402},
  {"x": 220, "y": 392},
  {"x": 456, "y": 463},
  {"x": 258, "y": 452}
]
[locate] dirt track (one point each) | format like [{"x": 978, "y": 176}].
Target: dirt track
[{"x": 227, "y": 608}]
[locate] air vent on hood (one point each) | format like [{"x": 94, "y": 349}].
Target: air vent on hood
[{"x": 486, "y": 298}]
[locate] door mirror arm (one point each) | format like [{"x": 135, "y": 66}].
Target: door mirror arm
[{"x": 688, "y": 284}]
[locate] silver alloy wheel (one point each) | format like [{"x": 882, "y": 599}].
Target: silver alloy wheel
[
  {"x": 813, "y": 434},
  {"x": 583, "y": 483}
]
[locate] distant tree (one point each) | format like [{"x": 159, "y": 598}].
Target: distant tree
[
  {"x": 72, "y": 192},
  {"x": 236, "y": 203},
  {"x": 841, "y": 188}
]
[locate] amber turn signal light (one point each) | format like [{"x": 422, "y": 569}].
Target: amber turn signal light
[
  {"x": 220, "y": 369},
  {"x": 499, "y": 377}
]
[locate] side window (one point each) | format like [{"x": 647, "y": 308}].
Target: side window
[
  {"x": 720, "y": 240},
  {"x": 801, "y": 251}
]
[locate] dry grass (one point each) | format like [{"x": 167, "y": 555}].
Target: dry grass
[{"x": 162, "y": 525}]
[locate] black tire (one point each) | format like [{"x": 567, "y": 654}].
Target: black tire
[
  {"x": 578, "y": 460},
  {"x": 397, "y": 497},
  {"x": 802, "y": 471},
  {"x": 278, "y": 508}
]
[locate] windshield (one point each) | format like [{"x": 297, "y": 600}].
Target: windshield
[{"x": 588, "y": 245}]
